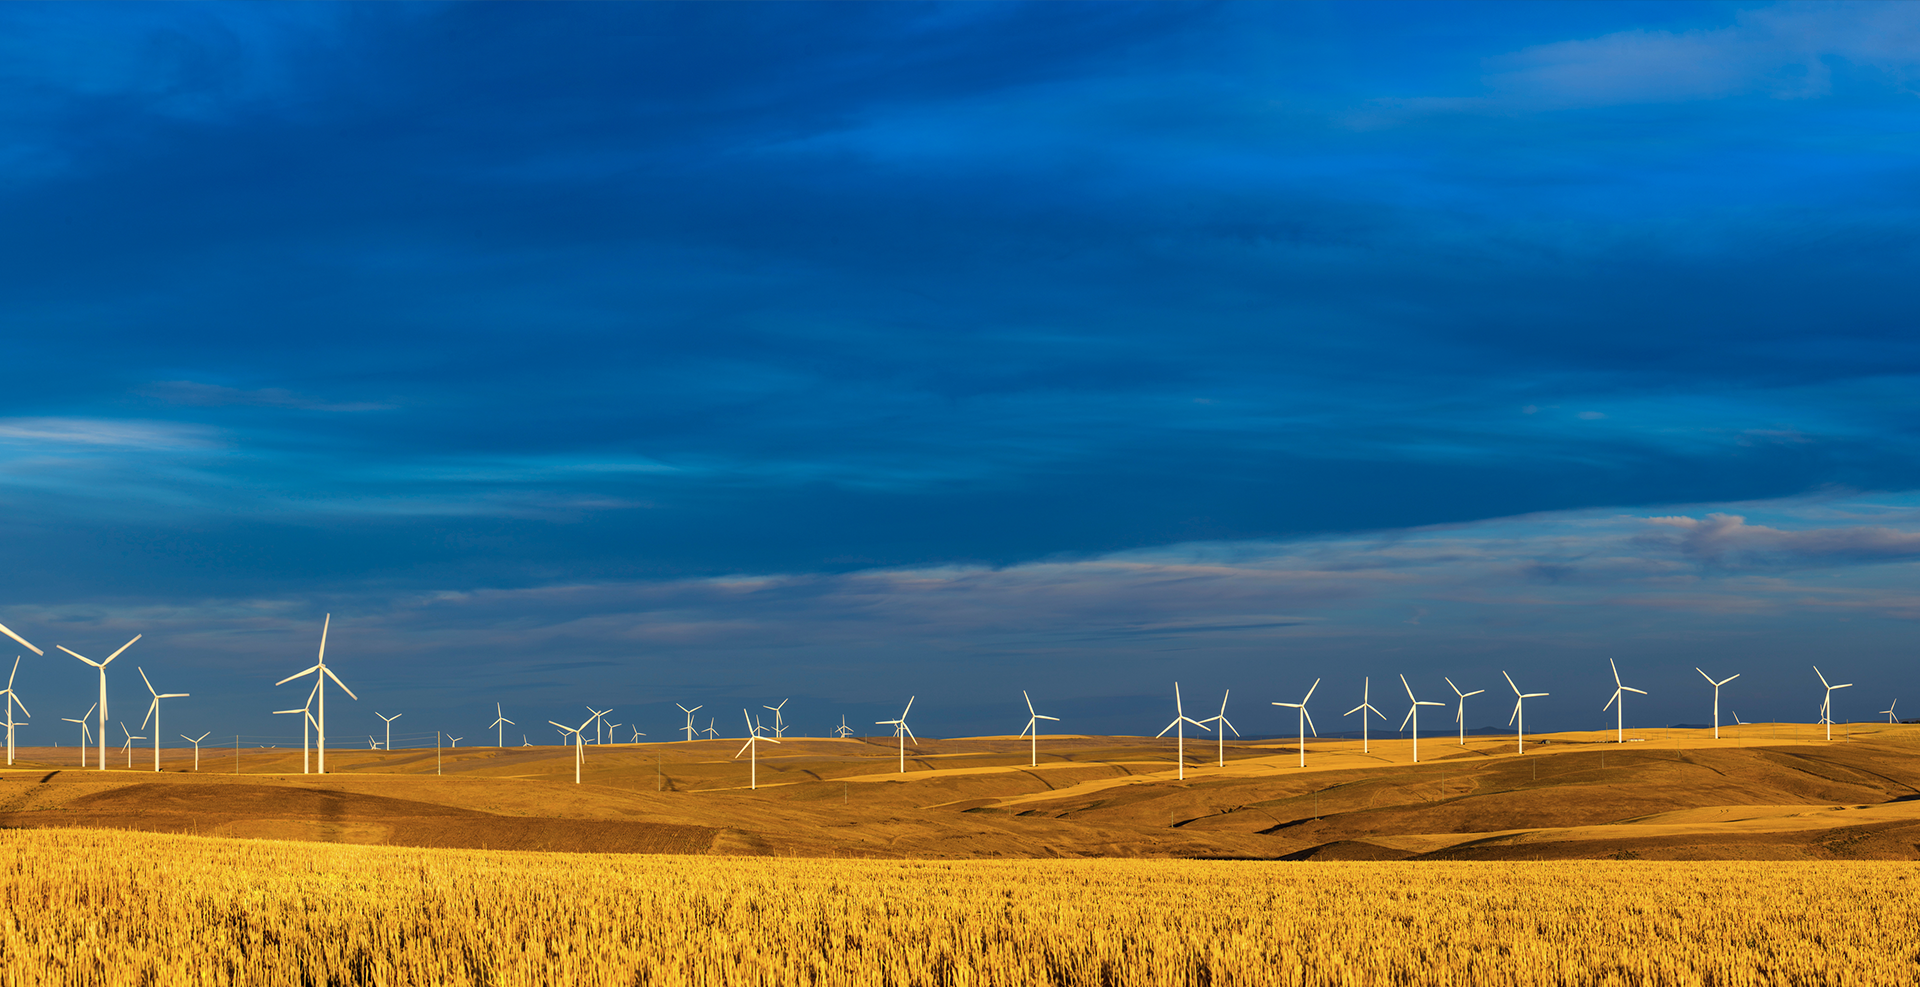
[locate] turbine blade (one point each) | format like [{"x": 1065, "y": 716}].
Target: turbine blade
[
  {"x": 743, "y": 747},
  {"x": 1823, "y": 678},
  {"x": 342, "y": 685},
  {"x": 1029, "y": 699},
  {"x": 323, "y": 638},
  {"x": 1408, "y": 718},
  {"x": 1731, "y": 678},
  {"x": 1309, "y": 695},
  {"x": 1037, "y": 716},
  {"x": 1455, "y": 688},
  {"x": 297, "y": 675},
  {"x": 1616, "y": 672},
  {"x": 1354, "y": 710},
  {"x": 150, "y": 708},
  {"x": 1516, "y": 711},
  {"x": 148, "y": 681},
  {"x": 4, "y": 629},
  {"x": 1309, "y": 718},
  {"x": 1474, "y": 693},
  {"x": 76, "y": 654},
  {"x": 1163, "y": 730},
  {"x": 1404, "y": 685},
  {"x": 1632, "y": 689},
  {"x": 1704, "y": 675},
  {"x": 1230, "y": 726},
  {"x": 1509, "y": 678},
  {"x": 1610, "y": 699},
  {"x": 123, "y": 647}
]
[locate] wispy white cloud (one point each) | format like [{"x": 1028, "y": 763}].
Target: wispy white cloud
[
  {"x": 101, "y": 432},
  {"x": 187, "y": 392}
]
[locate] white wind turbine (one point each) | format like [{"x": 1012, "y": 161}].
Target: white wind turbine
[
  {"x": 306, "y": 727},
  {"x": 1460, "y": 715},
  {"x": 1826, "y": 702},
  {"x": 1366, "y": 706},
  {"x": 710, "y": 731},
  {"x": 842, "y": 731},
  {"x": 1306, "y": 719},
  {"x": 1889, "y": 711},
  {"x": 372, "y": 744},
  {"x": 779, "y": 725},
  {"x": 1716, "y": 697},
  {"x": 1619, "y": 696},
  {"x": 389, "y": 719},
  {"x": 128, "y": 746},
  {"x": 637, "y": 735},
  {"x": 579, "y": 742},
  {"x": 85, "y": 735},
  {"x": 1413, "y": 715},
  {"x": 1519, "y": 709},
  {"x": 453, "y": 741},
  {"x": 153, "y": 712},
  {"x": 1225, "y": 725},
  {"x": 321, "y": 673},
  {"x": 690, "y": 712},
  {"x": 499, "y": 731},
  {"x": 195, "y": 741},
  {"x": 1033, "y": 728},
  {"x": 100, "y": 734},
  {"x": 1179, "y": 726},
  {"x": 12, "y": 700},
  {"x": 752, "y": 748},
  {"x": 900, "y": 729}
]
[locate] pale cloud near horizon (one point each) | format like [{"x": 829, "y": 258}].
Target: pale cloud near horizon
[
  {"x": 97, "y": 432},
  {"x": 193, "y": 393}
]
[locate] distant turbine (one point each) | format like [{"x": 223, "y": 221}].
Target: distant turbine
[
  {"x": 388, "y": 726},
  {"x": 597, "y": 714},
  {"x": 900, "y": 729},
  {"x": 1306, "y": 719},
  {"x": 1889, "y": 711},
  {"x": 306, "y": 725},
  {"x": 1519, "y": 711},
  {"x": 842, "y": 731},
  {"x": 153, "y": 713},
  {"x": 1225, "y": 725},
  {"x": 690, "y": 712},
  {"x": 752, "y": 748},
  {"x": 1619, "y": 712},
  {"x": 128, "y": 746},
  {"x": 579, "y": 742},
  {"x": 1826, "y": 703},
  {"x": 499, "y": 731},
  {"x": 372, "y": 744},
  {"x": 1460, "y": 715},
  {"x": 12, "y": 700},
  {"x": 101, "y": 733},
  {"x": 710, "y": 731},
  {"x": 1736, "y": 719},
  {"x": 1716, "y": 697},
  {"x": 321, "y": 673},
  {"x": 1033, "y": 728},
  {"x": 85, "y": 735},
  {"x": 1413, "y": 714},
  {"x": 779, "y": 725},
  {"x": 1180, "y": 720},
  {"x": 453, "y": 741},
  {"x": 195, "y": 741},
  {"x": 1366, "y": 706}
]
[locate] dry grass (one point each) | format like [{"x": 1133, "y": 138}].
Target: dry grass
[{"x": 100, "y": 907}]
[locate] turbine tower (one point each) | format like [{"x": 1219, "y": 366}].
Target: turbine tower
[
  {"x": 1716, "y": 696},
  {"x": 12, "y": 700},
  {"x": 579, "y": 742},
  {"x": 1225, "y": 725},
  {"x": 1033, "y": 729},
  {"x": 1413, "y": 715},
  {"x": 1519, "y": 710},
  {"x": 752, "y": 748},
  {"x": 1366, "y": 706},
  {"x": 153, "y": 712},
  {"x": 128, "y": 746},
  {"x": 321, "y": 673},
  {"x": 85, "y": 735},
  {"x": 779, "y": 724},
  {"x": 1306, "y": 719},
  {"x": 389, "y": 719},
  {"x": 1460, "y": 715},
  {"x": 900, "y": 729},
  {"x": 1180, "y": 720},
  {"x": 1619, "y": 712},
  {"x": 499, "y": 731},
  {"x": 690, "y": 712},
  {"x": 100, "y": 734},
  {"x": 1826, "y": 702}
]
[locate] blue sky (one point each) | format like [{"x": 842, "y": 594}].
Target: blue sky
[{"x": 726, "y": 352}]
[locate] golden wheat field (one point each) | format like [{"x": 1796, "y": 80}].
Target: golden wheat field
[{"x": 104, "y": 907}]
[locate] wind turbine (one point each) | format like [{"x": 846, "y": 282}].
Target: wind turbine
[
  {"x": 752, "y": 748},
  {"x": 779, "y": 725},
  {"x": 1519, "y": 711},
  {"x": 1889, "y": 711},
  {"x": 579, "y": 742},
  {"x": 710, "y": 731},
  {"x": 900, "y": 729},
  {"x": 372, "y": 744},
  {"x": 1180, "y": 720},
  {"x": 842, "y": 731},
  {"x": 195, "y": 741},
  {"x": 306, "y": 725},
  {"x": 1460, "y": 715},
  {"x": 12, "y": 700},
  {"x": 597, "y": 714},
  {"x": 637, "y": 734},
  {"x": 100, "y": 734},
  {"x": 453, "y": 741},
  {"x": 1306, "y": 719},
  {"x": 85, "y": 736},
  {"x": 321, "y": 673},
  {"x": 128, "y": 746},
  {"x": 1619, "y": 712},
  {"x": 1366, "y": 690},
  {"x": 499, "y": 732},
  {"x": 690, "y": 712},
  {"x": 1413, "y": 714},
  {"x": 1826, "y": 703},
  {"x": 1736, "y": 719},
  {"x": 1716, "y": 697},
  {"x": 1225, "y": 725},
  {"x": 390, "y": 719},
  {"x": 1033, "y": 727},
  {"x": 153, "y": 712}
]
